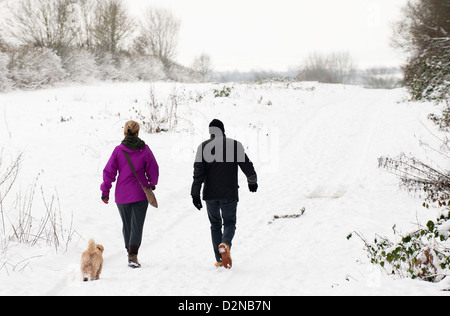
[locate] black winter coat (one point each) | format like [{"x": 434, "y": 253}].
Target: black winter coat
[{"x": 216, "y": 165}]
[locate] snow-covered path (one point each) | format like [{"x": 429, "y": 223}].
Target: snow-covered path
[{"x": 314, "y": 146}]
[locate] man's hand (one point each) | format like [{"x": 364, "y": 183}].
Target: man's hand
[
  {"x": 253, "y": 187},
  {"x": 197, "y": 202},
  {"x": 105, "y": 199}
]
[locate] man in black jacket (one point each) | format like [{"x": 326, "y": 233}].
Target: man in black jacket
[{"x": 216, "y": 166}]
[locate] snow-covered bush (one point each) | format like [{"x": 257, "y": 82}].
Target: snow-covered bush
[
  {"x": 423, "y": 33},
  {"x": 159, "y": 116},
  {"x": 147, "y": 68},
  {"x": 33, "y": 68},
  {"x": 442, "y": 121},
  {"x": 107, "y": 67},
  {"x": 80, "y": 66},
  {"x": 424, "y": 253},
  {"x": 139, "y": 67},
  {"x": 427, "y": 77},
  {"x": 130, "y": 68},
  {"x": 225, "y": 92},
  {"x": 5, "y": 81},
  {"x": 180, "y": 73}
]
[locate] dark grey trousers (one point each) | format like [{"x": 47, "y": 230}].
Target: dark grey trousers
[{"x": 133, "y": 218}]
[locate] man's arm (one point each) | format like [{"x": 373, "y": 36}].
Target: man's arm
[
  {"x": 246, "y": 165},
  {"x": 199, "y": 172}
]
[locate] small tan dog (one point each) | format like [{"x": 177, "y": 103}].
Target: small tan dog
[{"x": 92, "y": 261}]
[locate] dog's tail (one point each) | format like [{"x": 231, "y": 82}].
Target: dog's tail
[{"x": 92, "y": 245}]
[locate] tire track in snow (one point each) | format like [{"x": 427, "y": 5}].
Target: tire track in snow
[{"x": 328, "y": 149}]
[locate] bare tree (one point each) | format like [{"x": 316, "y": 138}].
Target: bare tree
[
  {"x": 112, "y": 26},
  {"x": 315, "y": 68},
  {"x": 43, "y": 23},
  {"x": 3, "y": 44},
  {"x": 202, "y": 64},
  {"x": 342, "y": 67},
  {"x": 159, "y": 35},
  {"x": 424, "y": 22},
  {"x": 5, "y": 81},
  {"x": 87, "y": 16}
]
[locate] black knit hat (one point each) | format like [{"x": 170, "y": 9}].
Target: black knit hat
[{"x": 218, "y": 124}]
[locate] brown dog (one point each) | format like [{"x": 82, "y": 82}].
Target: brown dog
[{"x": 92, "y": 261}]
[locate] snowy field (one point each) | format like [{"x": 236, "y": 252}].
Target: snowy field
[{"x": 313, "y": 145}]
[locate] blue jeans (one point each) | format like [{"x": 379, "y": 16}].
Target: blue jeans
[{"x": 226, "y": 218}]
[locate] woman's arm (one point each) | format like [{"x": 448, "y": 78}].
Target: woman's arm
[
  {"x": 109, "y": 174},
  {"x": 152, "y": 168}
]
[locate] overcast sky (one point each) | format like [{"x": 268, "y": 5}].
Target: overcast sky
[{"x": 277, "y": 34}]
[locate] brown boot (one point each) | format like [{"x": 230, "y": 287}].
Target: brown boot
[
  {"x": 224, "y": 250},
  {"x": 133, "y": 261}
]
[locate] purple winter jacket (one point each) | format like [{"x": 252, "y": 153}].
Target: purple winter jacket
[{"x": 128, "y": 189}]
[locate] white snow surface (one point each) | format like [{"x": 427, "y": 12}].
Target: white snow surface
[{"x": 313, "y": 145}]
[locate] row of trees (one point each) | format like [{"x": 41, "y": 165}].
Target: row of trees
[
  {"x": 85, "y": 39},
  {"x": 99, "y": 26},
  {"x": 100, "y": 39},
  {"x": 332, "y": 68},
  {"x": 339, "y": 67}
]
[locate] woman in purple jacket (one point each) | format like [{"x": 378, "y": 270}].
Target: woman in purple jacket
[{"x": 129, "y": 196}]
